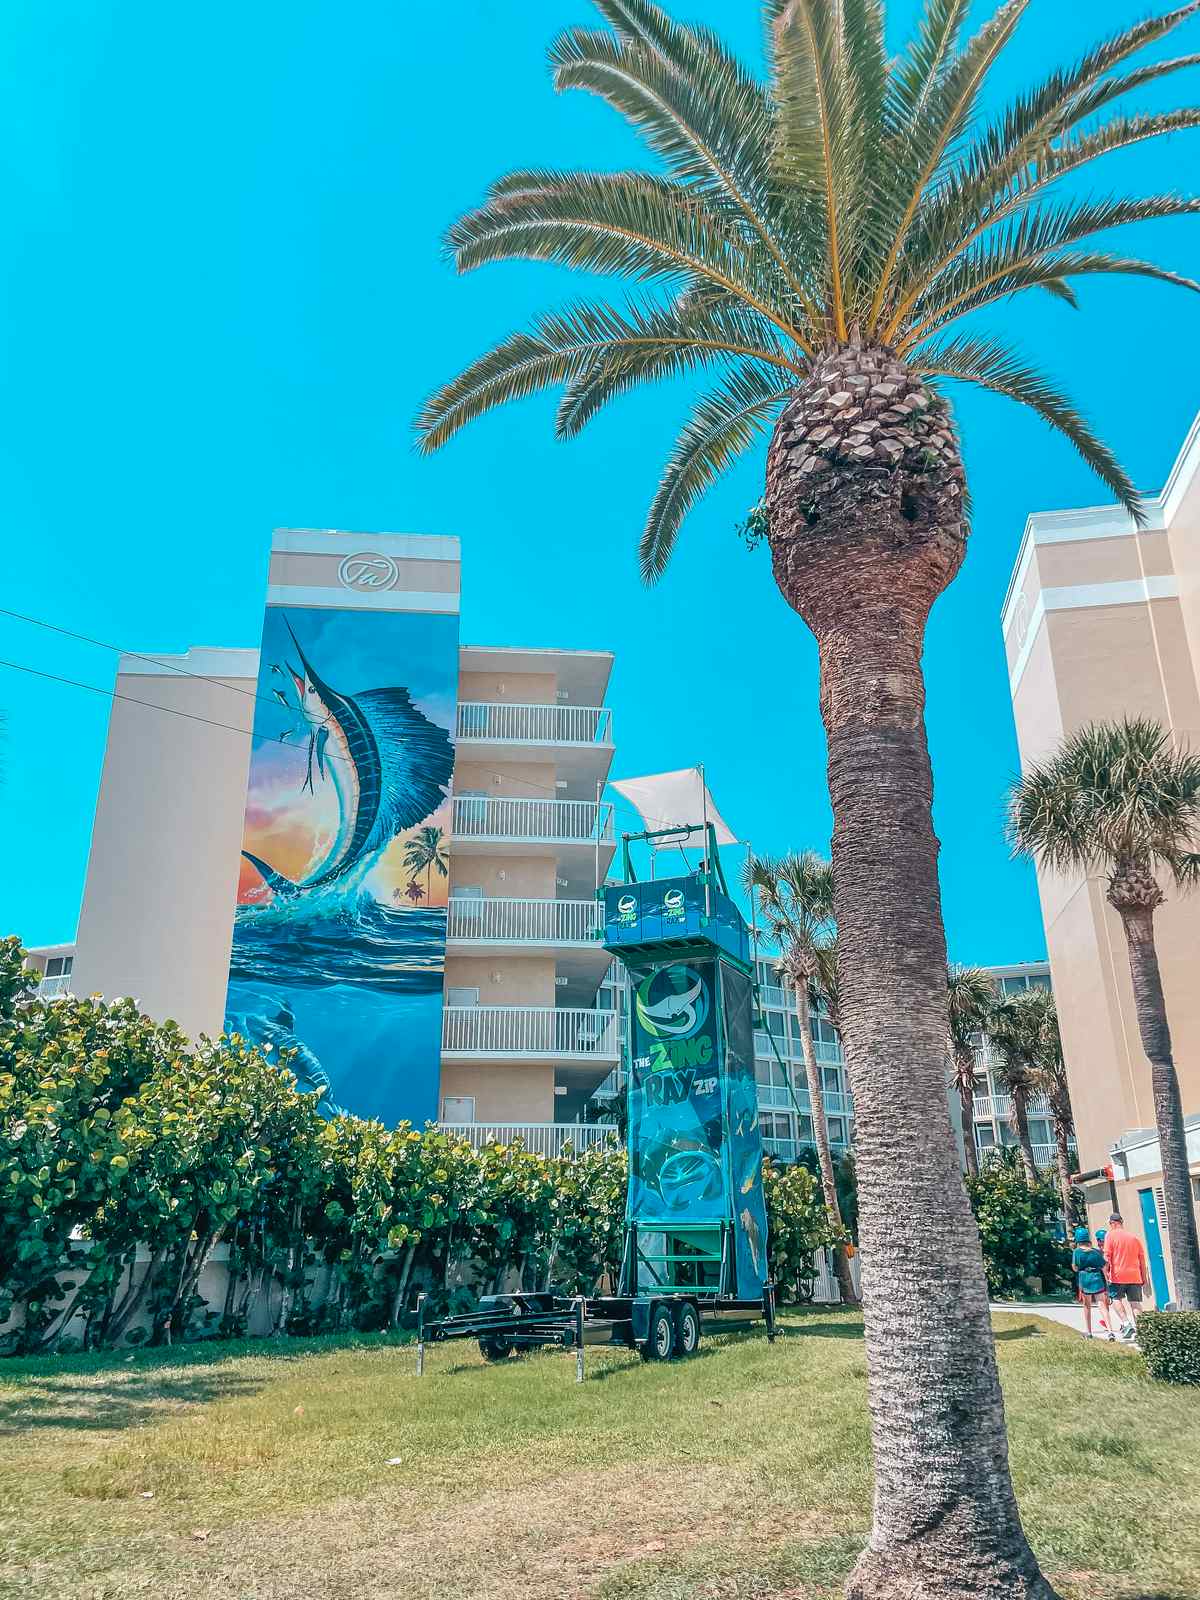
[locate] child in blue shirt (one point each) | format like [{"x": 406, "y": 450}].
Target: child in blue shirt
[{"x": 1088, "y": 1265}]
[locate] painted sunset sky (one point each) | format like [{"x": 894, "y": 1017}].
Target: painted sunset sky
[{"x": 354, "y": 651}]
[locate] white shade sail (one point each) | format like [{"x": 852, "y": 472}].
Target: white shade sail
[{"x": 672, "y": 800}]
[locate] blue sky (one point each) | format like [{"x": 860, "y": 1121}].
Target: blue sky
[{"x": 224, "y": 298}]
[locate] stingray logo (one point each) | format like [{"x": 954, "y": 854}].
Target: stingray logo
[
  {"x": 368, "y": 573},
  {"x": 626, "y": 911},
  {"x": 672, "y": 1003},
  {"x": 672, "y": 906}
]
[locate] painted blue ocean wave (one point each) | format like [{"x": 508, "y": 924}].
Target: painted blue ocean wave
[{"x": 392, "y": 950}]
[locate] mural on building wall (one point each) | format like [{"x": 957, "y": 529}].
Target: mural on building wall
[{"x": 340, "y": 934}]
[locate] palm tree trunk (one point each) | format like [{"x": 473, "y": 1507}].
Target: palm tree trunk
[
  {"x": 1065, "y": 1186},
  {"x": 1168, "y": 1108},
  {"x": 841, "y": 1262},
  {"x": 1020, "y": 1120},
  {"x": 966, "y": 1095},
  {"x": 861, "y": 552}
]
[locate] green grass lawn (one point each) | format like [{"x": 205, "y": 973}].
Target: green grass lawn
[{"x": 325, "y": 1470}]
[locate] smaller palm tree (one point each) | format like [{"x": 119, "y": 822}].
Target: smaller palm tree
[
  {"x": 1051, "y": 1078},
  {"x": 425, "y": 852},
  {"x": 1014, "y": 1029},
  {"x": 795, "y": 895},
  {"x": 972, "y": 997},
  {"x": 1118, "y": 799}
]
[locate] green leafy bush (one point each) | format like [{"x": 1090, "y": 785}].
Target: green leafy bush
[
  {"x": 1017, "y": 1229},
  {"x": 117, "y": 1134},
  {"x": 1170, "y": 1345}
]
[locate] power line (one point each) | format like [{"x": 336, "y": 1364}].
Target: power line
[
  {"x": 199, "y": 677},
  {"x": 218, "y": 683}
]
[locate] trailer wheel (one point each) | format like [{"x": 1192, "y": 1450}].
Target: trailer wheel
[
  {"x": 660, "y": 1341},
  {"x": 687, "y": 1331},
  {"x": 497, "y": 1349}
]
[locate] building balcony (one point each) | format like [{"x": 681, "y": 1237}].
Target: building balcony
[
  {"x": 530, "y": 1033},
  {"x": 569, "y": 1139},
  {"x": 477, "y": 921},
  {"x": 777, "y": 1094},
  {"x": 998, "y": 1107},
  {"x": 1044, "y": 1155},
  {"x": 492, "y": 722},
  {"x": 482, "y": 822},
  {"x": 789, "y": 1149},
  {"x": 49, "y": 987}
]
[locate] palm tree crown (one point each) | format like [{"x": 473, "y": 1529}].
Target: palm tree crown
[
  {"x": 850, "y": 197},
  {"x": 795, "y": 896},
  {"x": 1114, "y": 798},
  {"x": 971, "y": 992}
]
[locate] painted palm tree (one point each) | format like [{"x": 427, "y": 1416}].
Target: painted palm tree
[
  {"x": 425, "y": 852},
  {"x": 1050, "y": 1077},
  {"x": 795, "y": 897},
  {"x": 814, "y": 240},
  {"x": 1016, "y": 1032},
  {"x": 1120, "y": 801},
  {"x": 972, "y": 995}
]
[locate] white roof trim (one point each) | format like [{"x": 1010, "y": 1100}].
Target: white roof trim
[
  {"x": 341, "y": 542},
  {"x": 1103, "y": 522}
]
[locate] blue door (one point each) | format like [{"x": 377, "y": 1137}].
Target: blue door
[{"x": 1154, "y": 1249}]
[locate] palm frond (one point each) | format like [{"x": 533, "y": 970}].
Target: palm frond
[
  {"x": 812, "y": 124},
  {"x": 703, "y": 113},
  {"x": 946, "y": 115},
  {"x": 1028, "y": 250},
  {"x": 1111, "y": 795},
  {"x": 723, "y": 424},
  {"x": 665, "y": 340},
  {"x": 994, "y": 365},
  {"x": 920, "y": 70}
]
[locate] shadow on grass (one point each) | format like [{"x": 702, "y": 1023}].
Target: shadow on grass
[
  {"x": 821, "y": 1330},
  {"x": 1027, "y": 1332},
  {"x": 111, "y": 1407}
]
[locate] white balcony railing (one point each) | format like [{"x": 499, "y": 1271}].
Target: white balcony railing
[
  {"x": 1044, "y": 1155},
  {"x": 778, "y": 1094},
  {"x": 480, "y": 921},
  {"x": 489, "y": 722},
  {"x": 49, "y": 987},
  {"x": 998, "y": 1107},
  {"x": 523, "y": 1031},
  {"x": 789, "y": 1149},
  {"x": 534, "y": 821},
  {"x": 542, "y": 1138}
]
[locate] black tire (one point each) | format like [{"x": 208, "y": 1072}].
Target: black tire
[
  {"x": 687, "y": 1330},
  {"x": 495, "y": 1349},
  {"x": 660, "y": 1339}
]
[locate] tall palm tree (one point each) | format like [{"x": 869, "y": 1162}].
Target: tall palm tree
[
  {"x": 426, "y": 851},
  {"x": 1015, "y": 1031},
  {"x": 1050, "y": 1077},
  {"x": 815, "y": 240},
  {"x": 1120, "y": 801},
  {"x": 971, "y": 994},
  {"x": 795, "y": 896}
]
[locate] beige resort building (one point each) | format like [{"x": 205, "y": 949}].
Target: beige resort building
[{"x": 1102, "y": 620}]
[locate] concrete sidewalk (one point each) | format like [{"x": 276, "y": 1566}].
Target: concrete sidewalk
[{"x": 1069, "y": 1315}]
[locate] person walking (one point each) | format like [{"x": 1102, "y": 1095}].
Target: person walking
[
  {"x": 1128, "y": 1274},
  {"x": 1088, "y": 1263}
]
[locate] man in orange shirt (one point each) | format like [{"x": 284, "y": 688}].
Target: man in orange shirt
[{"x": 1128, "y": 1274}]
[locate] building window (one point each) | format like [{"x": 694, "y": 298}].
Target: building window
[
  {"x": 462, "y": 997},
  {"x": 833, "y": 1081},
  {"x": 985, "y": 1135},
  {"x": 59, "y": 966},
  {"x": 837, "y": 1131},
  {"x": 458, "y": 1108}
]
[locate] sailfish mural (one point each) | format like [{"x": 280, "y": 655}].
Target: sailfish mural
[{"x": 389, "y": 765}]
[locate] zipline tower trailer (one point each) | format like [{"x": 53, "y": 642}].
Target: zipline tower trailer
[{"x": 695, "y": 1249}]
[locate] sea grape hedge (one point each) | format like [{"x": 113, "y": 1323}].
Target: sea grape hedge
[
  {"x": 1170, "y": 1345},
  {"x": 117, "y": 1132}
]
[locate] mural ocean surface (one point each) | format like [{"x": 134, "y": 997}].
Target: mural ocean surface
[{"x": 340, "y": 932}]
